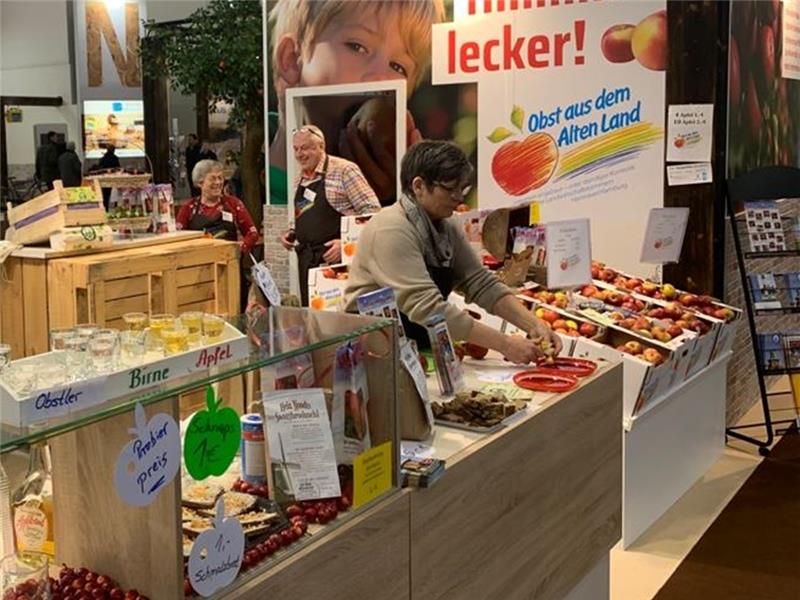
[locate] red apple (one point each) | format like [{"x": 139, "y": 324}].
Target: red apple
[
  {"x": 616, "y": 43},
  {"x": 475, "y": 351},
  {"x": 649, "y": 41},
  {"x": 674, "y": 331},
  {"x": 652, "y": 356},
  {"x": 549, "y": 316},
  {"x": 587, "y": 329},
  {"x": 634, "y": 347},
  {"x": 560, "y": 324},
  {"x": 521, "y": 166}
]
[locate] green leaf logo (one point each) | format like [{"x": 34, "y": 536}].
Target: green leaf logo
[
  {"x": 517, "y": 117},
  {"x": 499, "y": 134}
]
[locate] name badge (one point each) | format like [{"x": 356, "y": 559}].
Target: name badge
[
  {"x": 309, "y": 194},
  {"x": 226, "y": 216}
]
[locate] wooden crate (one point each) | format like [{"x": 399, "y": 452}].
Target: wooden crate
[
  {"x": 173, "y": 278},
  {"x": 39, "y": 294},
  {"x": 35, "y": 220}
]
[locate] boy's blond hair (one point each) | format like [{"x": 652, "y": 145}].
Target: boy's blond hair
[{"x": 305, "y": 20}]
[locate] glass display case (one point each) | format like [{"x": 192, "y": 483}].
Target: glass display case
[{"x": 242, "y": 449}]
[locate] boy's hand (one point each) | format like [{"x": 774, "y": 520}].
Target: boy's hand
[
  {"x": 413, "y": 135},
  {"x": 378, "y": 165}
]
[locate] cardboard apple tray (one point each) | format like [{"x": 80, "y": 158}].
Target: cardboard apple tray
[
  {"x": 703, "y": 351},
  {"x": 59, "y": 401},
  {"x": 726, "y": 329},
  {"x": 326, "y": 287},
  {"x": 643, "y": 382}
]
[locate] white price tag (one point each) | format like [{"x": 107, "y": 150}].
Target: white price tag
[
  {"x": 410, "y": 359},
  {"x": 217, "y": 554},
  {"x": 267, "y": 284},
  {"x": 151, "y": 460},
  {"x": 663, "y": 238}
]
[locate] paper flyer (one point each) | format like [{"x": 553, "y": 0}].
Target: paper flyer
[
  {"x": 300, "y": 444},
  {"x": 690, "y": 132}
]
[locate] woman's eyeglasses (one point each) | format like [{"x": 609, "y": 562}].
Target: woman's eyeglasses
[{"x": 455, "y": 191}]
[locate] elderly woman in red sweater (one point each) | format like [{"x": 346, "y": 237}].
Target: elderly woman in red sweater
[{"x": 219, "y": 215}]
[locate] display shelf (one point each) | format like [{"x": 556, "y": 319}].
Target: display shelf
[
  {"x": 15, "y": 437},
  {"x": 784, "y": 310},
  {"x": 775, "y": 254}
]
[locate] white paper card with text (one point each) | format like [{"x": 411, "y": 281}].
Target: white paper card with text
[
  {"x": 569, "y": 253},
  {"x": 663, "y": 238}
]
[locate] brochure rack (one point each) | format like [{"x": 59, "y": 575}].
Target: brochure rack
[{"x": 768, "y": 183}]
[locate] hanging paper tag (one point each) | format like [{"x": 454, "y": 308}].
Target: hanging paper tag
[
  {"x": 264, "y": 279},
  {"x": 410, "y": 359}
]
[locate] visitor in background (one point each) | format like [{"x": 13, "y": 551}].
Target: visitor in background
[
  {"x": 107, "y": 162},
  {"x": 69, "y": 167},
  {"x": 47, "y": 160}
]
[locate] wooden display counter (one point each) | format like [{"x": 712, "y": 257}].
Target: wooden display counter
[
  {"x": 530, "y": 511},
  {"x": 170, "y": 273},
  {"x": 527, "y": 512}
]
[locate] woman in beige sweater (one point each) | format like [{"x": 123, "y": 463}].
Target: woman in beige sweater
[{"x": 415, "y": 249}]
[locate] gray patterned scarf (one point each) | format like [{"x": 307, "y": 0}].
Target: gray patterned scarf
[{"x": 435, "y": 240}]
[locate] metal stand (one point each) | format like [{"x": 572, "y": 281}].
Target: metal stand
[{"x": 769, "y": 183}]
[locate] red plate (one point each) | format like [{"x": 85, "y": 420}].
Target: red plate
[
  {"x": 579, "y": 367},
  {"x": 538, "y": 381}
]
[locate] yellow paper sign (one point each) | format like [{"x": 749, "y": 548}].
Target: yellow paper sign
[
  {"x": 534, "y": 213},
  {"x": 372, "y": 474}
]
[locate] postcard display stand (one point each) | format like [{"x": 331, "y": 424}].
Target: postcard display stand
[
  {"x": 140, "y": 546},
  {"x": 762, "y": 230}
]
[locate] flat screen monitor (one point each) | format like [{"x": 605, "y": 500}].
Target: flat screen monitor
[{"x": 119, "y": 122}]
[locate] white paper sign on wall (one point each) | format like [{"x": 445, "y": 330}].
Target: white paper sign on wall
[
  {"x": 150, "y": 461},
  {"x": 217, "y": 553},
  {"x": 690, "y": 129},
  {"x": 663, "y": 238}
]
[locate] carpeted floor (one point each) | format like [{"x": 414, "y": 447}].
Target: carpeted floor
[{"x": 752, "y": 550}]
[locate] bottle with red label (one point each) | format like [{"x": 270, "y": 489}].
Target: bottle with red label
[{"x": 32, "y": 504}]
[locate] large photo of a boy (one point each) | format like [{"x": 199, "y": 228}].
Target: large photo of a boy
[{"x": 330, "y": 42}]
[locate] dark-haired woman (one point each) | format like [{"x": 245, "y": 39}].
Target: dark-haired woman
[{"x": 414, "y": 248}]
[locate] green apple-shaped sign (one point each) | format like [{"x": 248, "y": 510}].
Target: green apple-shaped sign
[{"x": 212, "y": 439}]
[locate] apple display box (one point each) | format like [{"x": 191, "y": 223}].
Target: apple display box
[
  {"x": 60, "y": 400},
  {"x": 326, "y": 287},
  {"x": 702, "y": 351},
  {"x": 726, "y": 327},
  {"x": 352, "y": 226},
  {"x": 643, "y": 382},
  {"x": 568, "y": 341}
]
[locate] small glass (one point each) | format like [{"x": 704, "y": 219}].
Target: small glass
[
  {"x": 21, "y": 377},
  {"x": 75, "y": 358},
  {"x": 193, "y": 321},
  {"x": 135, "y": 321},
  {"x": 176, "y": 340},
  {"x": 50, "y": 375},
  {"x": 57, "y": 337},
  {"x": 5, "y": 356},
  {"x": 25, "y": 575},
  {"x": 102, "y": 352},
  {"x": 132, "y": 347},
  {"x": 213, "y": 326},
  {"x": 86, "y": 330}
]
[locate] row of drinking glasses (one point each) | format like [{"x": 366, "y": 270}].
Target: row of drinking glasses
[{"x": 88, "y": 350}]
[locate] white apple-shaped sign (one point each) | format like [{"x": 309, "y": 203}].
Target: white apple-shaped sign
[
  {"x": 150, "y": 461},
  {"x": 217, "y": 554}
]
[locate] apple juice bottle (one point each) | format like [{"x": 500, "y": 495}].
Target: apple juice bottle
[{"x": 33, "y": 504}]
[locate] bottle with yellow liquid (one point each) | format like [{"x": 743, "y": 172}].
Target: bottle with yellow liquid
[{"x": 32, "y": 503}]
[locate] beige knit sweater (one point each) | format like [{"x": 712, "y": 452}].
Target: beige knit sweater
[{"x": 390, "y": 254}]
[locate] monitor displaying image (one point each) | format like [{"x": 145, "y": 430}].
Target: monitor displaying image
[{"x": 117, "y": 122}]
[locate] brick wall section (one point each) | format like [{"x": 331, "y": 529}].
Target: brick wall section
[
  {"x": 276, "y": 257},
  {"x": 742, "y": 383}
]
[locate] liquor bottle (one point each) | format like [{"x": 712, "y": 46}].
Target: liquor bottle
[
  {"x": 6, "y": 523},
  {"x": 32, "y": 503}
]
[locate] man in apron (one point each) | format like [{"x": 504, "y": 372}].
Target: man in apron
[{"x": 327, "y": 188}]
